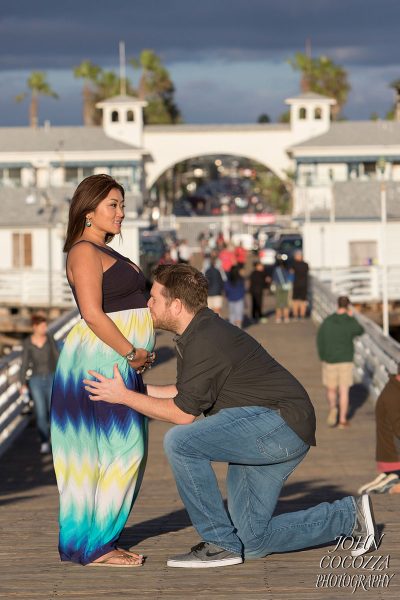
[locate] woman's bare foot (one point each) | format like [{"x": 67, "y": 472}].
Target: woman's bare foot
[
  {"x": 117, "y": 558},
  {"x": 138, "y": 557}
]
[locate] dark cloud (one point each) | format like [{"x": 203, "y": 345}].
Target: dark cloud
[
  {"x": 49, "y": 34},
  {"x": 362, "y": 35}
]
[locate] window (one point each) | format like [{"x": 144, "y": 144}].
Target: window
[
  {"x": 115, "y": 116},
  {"x": 130, "y": 116},
  {"x": 363, "y": 253},
  {"x": 22, "y": 250},
  {"x": 302, "y": 113},
  {"x": 71, "y": 174},
  {"x": 86, "y": 172},
  {"x": 15, "y": 174},
  {"x": 369, "y": 169},
  {"x": 318, "y": 113}
]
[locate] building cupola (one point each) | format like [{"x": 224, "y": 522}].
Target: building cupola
[
  {"x": 123, "y": 119},
  {"x": 310, "y": 114}
]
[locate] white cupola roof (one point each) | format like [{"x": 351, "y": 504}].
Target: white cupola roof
[
  {"x": 123, "y": 118},
  {"x": 310, "y": 114}
]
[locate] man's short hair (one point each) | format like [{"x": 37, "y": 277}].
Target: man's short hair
[
  {"x": 185, "y": 283},
  {"x": 38, "y": 318},
  {"x": 343, "y": 302}
]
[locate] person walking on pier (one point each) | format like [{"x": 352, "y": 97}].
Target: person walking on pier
[
  {"x": 335, "y": 341},
  {"x": 40, "y": 355},
  {"x": 260, "y": 421},
  {"x": 99, "y": 450},
  {"x": 387, "y": 420}
]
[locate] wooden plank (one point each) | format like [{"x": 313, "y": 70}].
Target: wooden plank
[{"x": 159, "y": 526}]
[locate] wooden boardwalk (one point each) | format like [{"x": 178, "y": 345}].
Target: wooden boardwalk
[{"x": 158, "y": 526}]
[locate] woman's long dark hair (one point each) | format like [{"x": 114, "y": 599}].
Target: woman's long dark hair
[
  {"x": 88, "y": 195},
  {"x": 234, "y": 275}
]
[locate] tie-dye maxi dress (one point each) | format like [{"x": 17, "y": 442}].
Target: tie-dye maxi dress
[{"x": 99, "y": 449}]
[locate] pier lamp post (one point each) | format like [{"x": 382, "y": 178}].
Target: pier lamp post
[{"x": 385, "y": 300}]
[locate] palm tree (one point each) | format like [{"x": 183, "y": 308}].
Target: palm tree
[
  {"x": 157, "y": 88},
  {"x": 38, "y": 86},
  {"x": 89, "y": 72},
  {"x": 322, "y": 76}
]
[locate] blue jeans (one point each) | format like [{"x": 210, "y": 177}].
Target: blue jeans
[
  {"x": 40, "y": 387},
  {"x": 261, "y": 451}
]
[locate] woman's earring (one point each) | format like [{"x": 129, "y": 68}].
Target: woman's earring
[{"x": 88, "y": 223}]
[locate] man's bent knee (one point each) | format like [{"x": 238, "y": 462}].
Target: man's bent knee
[{"x": 173, "y": 439}]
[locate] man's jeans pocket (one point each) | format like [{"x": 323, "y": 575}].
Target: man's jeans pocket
[{"x": 281, "y": 444}]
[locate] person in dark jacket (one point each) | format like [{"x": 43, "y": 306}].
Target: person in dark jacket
[
  {"x": 40, "y": 355},
  {"x": 258, "y": 282},
  {"x": 336, "y": 351},
  {"x": 300, "y": 286},
  {"x": 387, "y": 415},
  {"x": 215, "y": 287}
]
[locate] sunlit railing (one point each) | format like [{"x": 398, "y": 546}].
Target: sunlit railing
[
  {"x": 12, "y": 404},
  {"x": 35, "y": 288},
  {"x": 376, "y": 356},
  {"x": 361, "y": 284}
]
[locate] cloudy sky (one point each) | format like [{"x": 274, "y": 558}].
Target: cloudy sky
[{"x": 228, "y": 58}]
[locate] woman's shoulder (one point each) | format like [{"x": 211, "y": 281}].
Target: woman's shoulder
[{"x": 83, "y": 249}]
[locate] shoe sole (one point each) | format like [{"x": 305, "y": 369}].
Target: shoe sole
[
  {"x": 371, "y": 528},
  {"x": 192, "y": 564}
]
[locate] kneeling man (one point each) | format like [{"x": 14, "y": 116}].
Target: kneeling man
[{"x": 259, "y": 420}]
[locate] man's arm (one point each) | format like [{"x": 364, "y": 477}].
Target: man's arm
[
  {"x": 161, "y": 391},
  {"x": 115, "y": 392}
]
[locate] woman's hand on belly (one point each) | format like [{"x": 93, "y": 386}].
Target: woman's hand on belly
[{"x": 143, "y": 360}]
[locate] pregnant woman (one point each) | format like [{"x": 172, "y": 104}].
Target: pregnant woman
[{"x": 99, "y": 449}]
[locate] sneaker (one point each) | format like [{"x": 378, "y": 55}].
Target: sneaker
[
  {"x": 365, "y": 529},
  {"x": 263, "y": 320},
  {"x": 45, "y": 448},
  {"x": 332, "y": 417},
  {"x": 385, "y": 485},
  {"x": 204, "y": 556},
  {"x": 365, "y": 488}
]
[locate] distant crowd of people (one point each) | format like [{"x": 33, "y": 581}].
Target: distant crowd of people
[
  {"x": 225, "y": 271},
  {"x": 226, "y": 267}
]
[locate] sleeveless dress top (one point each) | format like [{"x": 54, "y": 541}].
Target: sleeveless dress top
[{"x": 123, "y": 285}]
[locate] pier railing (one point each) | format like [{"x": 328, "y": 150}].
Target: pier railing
[
  {"x": 27, "y": 287},
  {"x": 376, "y": 356},
  {"x": 13, "y": 407},
  {"x": 361, "y": 284}
]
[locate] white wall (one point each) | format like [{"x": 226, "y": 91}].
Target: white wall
[
  {"x": 267, "y": 145},
  {"x": 40, "y": 246},
  {"x": 128, "y": 243},
  {"x": 328, "y": 244}
]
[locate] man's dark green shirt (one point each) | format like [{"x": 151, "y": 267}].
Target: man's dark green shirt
[{"x": 221, "y": 366}]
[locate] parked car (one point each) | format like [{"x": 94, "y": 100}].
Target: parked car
[
  {"x": 287, "y": 246},
  {"x": 151, "y": 248}
]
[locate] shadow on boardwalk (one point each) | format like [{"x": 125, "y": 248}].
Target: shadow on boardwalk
[{"x": 159, "y": 526}]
